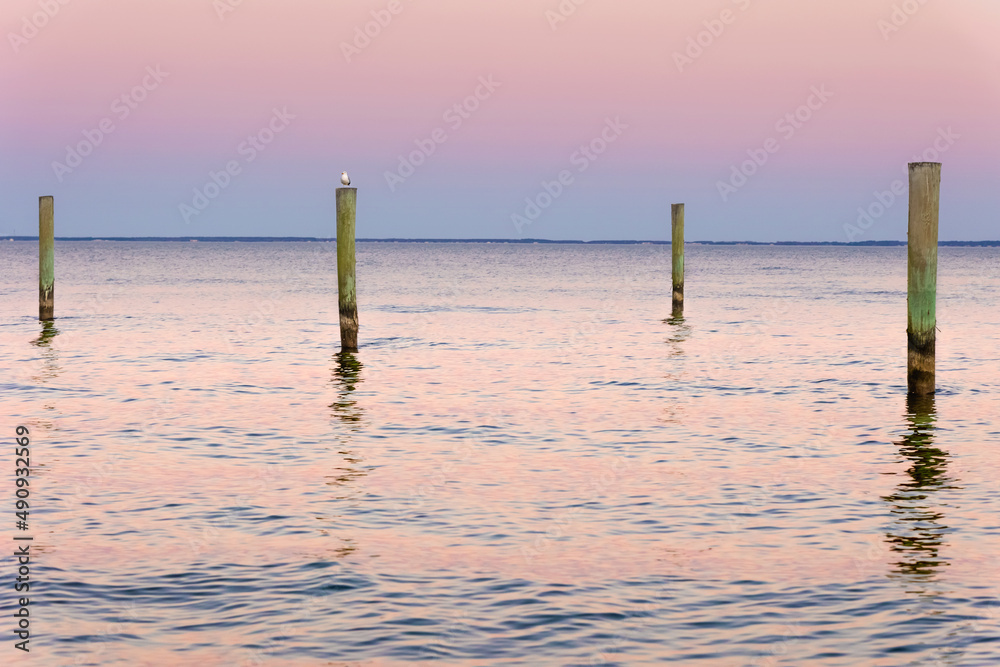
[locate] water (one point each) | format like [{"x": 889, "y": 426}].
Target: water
[{"x": 524, "y": 465}]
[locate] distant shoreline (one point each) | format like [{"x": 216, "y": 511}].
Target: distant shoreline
[{"x": 307, "y": 239}]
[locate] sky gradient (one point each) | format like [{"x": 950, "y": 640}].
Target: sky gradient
[{"x": 286, "y": 95}]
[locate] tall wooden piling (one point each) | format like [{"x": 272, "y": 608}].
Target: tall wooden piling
[
  {"x": 46, "y": 258},
  {"x": 922, "y": 256},
  {"x": 677, "y": 246},
  {"x": 347, "y": 203}
]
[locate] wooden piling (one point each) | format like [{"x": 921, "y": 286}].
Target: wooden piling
[
  {"x": 46, "y": 258},
  {"x": 922, "y": 255},
  {"x": 347, "y": 202},
  {"x": 677, "y": 246}
]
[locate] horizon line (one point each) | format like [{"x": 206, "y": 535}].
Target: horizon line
[{"x": 311, "y": 239}]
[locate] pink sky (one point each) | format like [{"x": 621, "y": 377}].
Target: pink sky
[{"x": 686, "y": 129}]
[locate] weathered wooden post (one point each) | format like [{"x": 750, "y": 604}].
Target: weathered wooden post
[
  {"x": 46, "y": 258},
  {"x": 677, "y": 246},
  {"x": 347, "y": 203},
  {"x": 922, "y": 255}
]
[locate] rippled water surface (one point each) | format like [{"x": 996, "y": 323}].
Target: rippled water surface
[{"x": 528, "y": 462}]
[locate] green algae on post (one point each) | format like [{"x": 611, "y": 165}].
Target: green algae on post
[
  {"x": 46, "y": 258},
  {"x": 922, "y": 256}
]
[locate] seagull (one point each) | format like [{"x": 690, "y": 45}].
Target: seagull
[{"x": 344, "y": 178}]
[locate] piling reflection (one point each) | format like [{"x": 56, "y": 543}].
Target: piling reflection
[
  {"x": 680, "y": 332},
  {"x": 50, "y": 355},
  {"x": 918, "y": 531},
  {"x": 346, "y": 377},
  {"x": 677, "y": 318}
]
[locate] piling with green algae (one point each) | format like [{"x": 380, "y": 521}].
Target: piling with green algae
[
  {"x": 347, "y": 203},
  {"x": 922, "y": 256},
  {"x": 46, "y": 258},
  {"x": 677, "y": 246}
]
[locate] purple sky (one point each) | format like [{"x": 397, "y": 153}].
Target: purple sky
[{"x": 770, "y": 119}]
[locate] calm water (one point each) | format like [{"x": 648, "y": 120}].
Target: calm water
[{"x": 524, "y": 465}]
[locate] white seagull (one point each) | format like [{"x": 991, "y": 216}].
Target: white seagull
[{"x": 344, "y": 178}]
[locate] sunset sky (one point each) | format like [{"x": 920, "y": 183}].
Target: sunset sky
[{"x": 179, "y": 88}]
